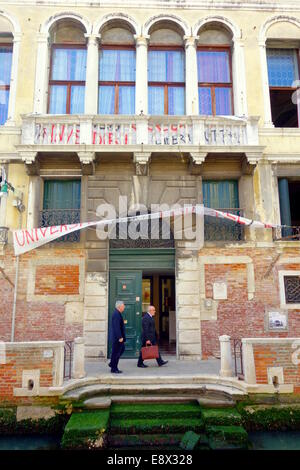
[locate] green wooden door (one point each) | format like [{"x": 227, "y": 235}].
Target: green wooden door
[{"x": 127, "y": 286}]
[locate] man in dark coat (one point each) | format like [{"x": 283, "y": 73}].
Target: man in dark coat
[
  {"x": 117, "y": 336},
  {"x": 149, "y": 335}
]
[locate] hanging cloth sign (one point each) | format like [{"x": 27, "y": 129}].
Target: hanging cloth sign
[{"x": 28, "y": 239}]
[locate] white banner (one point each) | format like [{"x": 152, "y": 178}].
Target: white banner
[{"x": 25, "y": 240}]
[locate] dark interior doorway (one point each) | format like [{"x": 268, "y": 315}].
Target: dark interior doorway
[{"x": 158, "y": 289}]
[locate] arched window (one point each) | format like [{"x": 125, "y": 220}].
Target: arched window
[
  {"x": 283, "y": 52},
  {"x": 166, "y": 70},
  {"x": 6, "y": 53},
  {"x": 67, "y": 68},
  {"x": 117, "y": 70},
  {"x": 214, "y": 71}
]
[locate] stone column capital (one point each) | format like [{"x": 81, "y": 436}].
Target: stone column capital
[
  {"x": 141, "y": 40},
  {"x": 141, "y": 160},
  {"x": 42, "y": 38},
  {"x": 86, "y": 157},
  {"x": 93, "y": 39},
  {"x": 190, "y": 41},
  {"x": 28, "y": 157}
]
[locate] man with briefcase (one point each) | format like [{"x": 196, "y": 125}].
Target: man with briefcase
[{"x": 149, "y": 343}]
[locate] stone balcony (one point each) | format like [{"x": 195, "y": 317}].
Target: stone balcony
[{"x": 142, "y": 135}]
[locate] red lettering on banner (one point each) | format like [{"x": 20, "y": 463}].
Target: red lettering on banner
[
  {"x": 70, "y": 135},
  {"x": 77, "y": 136},
  {"x": 126, "y": 139},
  {"x": 43, "y": 232},
  {"x": 62, "y": 132},
  {"x": 54, "y": 230},
  {"x": 44, "y": 133},
  {"x": 94, "y": 137},
  {"x": 53, "y": 134},
  {"x": 17, "y": 239},
  {"x": 29, "y": 237},
  {"x": 65, "y": 227},
  {"x": 100, "y": 140},
  {"x": 110, "y": 136},
  {"x": 230, "y": 216}
]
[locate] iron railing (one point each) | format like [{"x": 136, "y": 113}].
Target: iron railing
[
  {"x": 286, "y": 234},
  {"x": 50, "y": 217},
  {"x": 218, "y": 229},
  {"x": 68, "y": 359},
  {"x": 238, "y": 358}
]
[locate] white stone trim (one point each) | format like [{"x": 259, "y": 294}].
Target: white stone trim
[
  {"x": 228, "y": 23},
  {"x": 268, "y": 340},
  {"x": 98, "y": 25},
  {"x": 47, "y": 25},
  {"x": 277, "y": 372},
  {"x": 166, "y": 17},
  {"x": 276, "y": 19},
  {"x": 283, "y": 303}
]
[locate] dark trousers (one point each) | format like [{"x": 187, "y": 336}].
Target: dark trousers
[
  {"x": 116, "y": 352},
  {"x": 159, "y": 360}
]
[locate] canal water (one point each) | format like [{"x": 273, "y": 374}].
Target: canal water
[{"x": 260, "y": 440}]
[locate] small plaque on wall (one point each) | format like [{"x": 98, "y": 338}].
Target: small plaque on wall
[
  {"x": 219, "y": 290},
  {"x": 277, "y": 321}
]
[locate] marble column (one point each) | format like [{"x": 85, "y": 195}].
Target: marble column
[
  {"x": 92, "y": 72},
  {"x": 191, "y": 76},
  {"x": 141, "y": 81}
]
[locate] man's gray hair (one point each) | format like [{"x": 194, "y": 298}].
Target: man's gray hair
[
  {"x": 148, "y": 309},
  {"x": 119, "y": 303}
]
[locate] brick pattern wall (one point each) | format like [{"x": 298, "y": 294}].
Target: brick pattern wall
[
  {"x": 237, "y": 316},
  {"x": 39, "y": 320},
  {"x": 55, "y": 280},
  {"x": 18, "y": 360},
  {"x": 276, "y": 355}
]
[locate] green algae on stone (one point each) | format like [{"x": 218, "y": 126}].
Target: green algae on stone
[
  {"x": 231, "y": 434},
  {"x": 86, "y": 430},
  {"x": 221, "y": 416},
  {"x": 153, "y": 425},
  {"x": 155, "y": 410},
  {"x": 271, "y": 417}
]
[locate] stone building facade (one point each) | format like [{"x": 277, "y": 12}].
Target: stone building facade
[{"x": 195, "y": 103}]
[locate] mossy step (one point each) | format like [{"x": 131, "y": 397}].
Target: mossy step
[
  {"x": 271, "y": 418},
  {"x": 159, "y": 410},
  {"x": 193, "y": 441},
  {"x": 153, "y": 425},
  {"x": 148, "y": 440},
  {"x": 86, "y": 429},
  {"x": 236, "y": 435},
  {"x": 221, "y": 416}
]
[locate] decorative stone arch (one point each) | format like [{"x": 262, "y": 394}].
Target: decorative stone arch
[
  {"x": 222, "y": 20},
  {"x": 238, "y": 61},
  {"x": 276, "y": 19},
  {"x": 16, "y": 32},
  {"x": 263, "y": 59},
  {"x": 111, "y": 17},
  {"x": 16, "y": 29},
  {"x": 166, "y": 18},
  {"x": 50, "y": 22}
]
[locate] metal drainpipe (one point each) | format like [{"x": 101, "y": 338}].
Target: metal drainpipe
[{"x": 15, "y": 290}]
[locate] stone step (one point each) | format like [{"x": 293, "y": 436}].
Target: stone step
[
  {"x": 155, "y": 410},
  {"x": 148, "y": 441},
  {"x": 169, "y": 425},
  {"x": 178, "y": 390},
  {"x": 97, "y": 403}
]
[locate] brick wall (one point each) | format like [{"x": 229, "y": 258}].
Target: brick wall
[
  {"x": 276, "y": 355},
  {"x": 54, "y": 280},
  {"x": 237, "y": 316},
  {"x": 42, "y": 317},
  {"x": 18, "y": 357}
]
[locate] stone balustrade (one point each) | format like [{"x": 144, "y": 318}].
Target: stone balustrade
[{"x": 123, "y": 131}]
